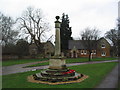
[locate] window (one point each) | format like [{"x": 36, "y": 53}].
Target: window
[
  {"x": 103, "y": 46},
  {"x": 103, "y": 54},
  {"x": 81, "y": 51},
  {"x": 94, "y": 51},
  {"x": 85, "y": 52}
]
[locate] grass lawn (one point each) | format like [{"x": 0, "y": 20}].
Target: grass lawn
[
  {"x": 20, "y": 61},
  {"x": 74, "y": 60},
  {"x": 96, "y": 73},
  {"x": 0, "y": 63},
  {"x": 86, "y": 59}
]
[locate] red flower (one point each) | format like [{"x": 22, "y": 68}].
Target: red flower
[{"x": 70, "y": 71}]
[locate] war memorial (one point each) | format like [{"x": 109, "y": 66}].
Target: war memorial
[{"x": 57, "y": 73}]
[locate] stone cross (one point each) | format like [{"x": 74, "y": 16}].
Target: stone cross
[{"x": 57, "y": 37}]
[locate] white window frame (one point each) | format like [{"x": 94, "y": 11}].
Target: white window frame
[
  {"x": 103, "y": 54},
  {"x": 82, "y": 52},
  {"x": 94, "y": 51},
  {"x": 85, "y": 52},
  {"x": 103, "y": 45}
]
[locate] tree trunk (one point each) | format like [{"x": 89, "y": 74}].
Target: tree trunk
[{"x": 89, "y": 56}]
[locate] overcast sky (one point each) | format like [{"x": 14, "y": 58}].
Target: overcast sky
[{"x": 101, "y": 14}]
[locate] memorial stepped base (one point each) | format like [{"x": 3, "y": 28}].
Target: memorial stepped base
[{"x": 52, "y": 75}]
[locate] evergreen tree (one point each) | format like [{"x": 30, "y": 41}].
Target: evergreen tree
[{"x": 65, "y": 32}]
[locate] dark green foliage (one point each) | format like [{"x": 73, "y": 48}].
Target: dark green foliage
[
  {"x": 22, "y": 47},
  {"x": 9, "y": 49},
  {"x": 65, "y": 32}
]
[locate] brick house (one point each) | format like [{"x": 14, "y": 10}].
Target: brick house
[
  {"x": 76, "y": 48},
  {"x": 103, "y": 48}
]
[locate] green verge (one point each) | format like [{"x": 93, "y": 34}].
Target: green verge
[
  {"x": 74, "y": 60},
  {"x": 96, "y": 73},
  {"x": 20, "y": 61},
  {"x": 86, "y": 59}
]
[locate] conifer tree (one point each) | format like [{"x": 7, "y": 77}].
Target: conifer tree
[{"x": 65, "y": 32}]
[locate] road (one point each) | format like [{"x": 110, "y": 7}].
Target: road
[{"x": 19, "y": 68}]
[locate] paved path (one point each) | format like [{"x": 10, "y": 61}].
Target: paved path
[
  {"x": 91, "y": 62},
  {"x": 19, "y": 68},
  {"x": 111, "y": 80}
]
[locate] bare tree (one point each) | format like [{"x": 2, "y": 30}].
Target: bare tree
[
  {"x": 6, "y": 28},
  {"x": 113, "y": 36},
  {"x": 90, "y": 37},
  {"x": 33, "y": 22}
]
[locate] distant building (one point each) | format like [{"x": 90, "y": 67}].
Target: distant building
[
  {"x": 103, "y": 48},
  {"x": 48, "y": 49},
  {"x": 33, "y": 49},
  {"x": 78, "y": 49}
]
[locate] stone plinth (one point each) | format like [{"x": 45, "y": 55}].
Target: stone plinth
[
  {"x": 57, "y": 75},
  {"x": 57, "y": 64},
  {"x": 31, "y": 79}
]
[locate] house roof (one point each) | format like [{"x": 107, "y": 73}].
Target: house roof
[
  {"x": 79, "y": 44},
  {"x": 107, "y": 40},
  {"x": 76, "y": 43}
]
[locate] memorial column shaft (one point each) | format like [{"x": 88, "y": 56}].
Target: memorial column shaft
[
  {"x": 57, "y": 42},
  {"x": 57, "y": 39}
]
